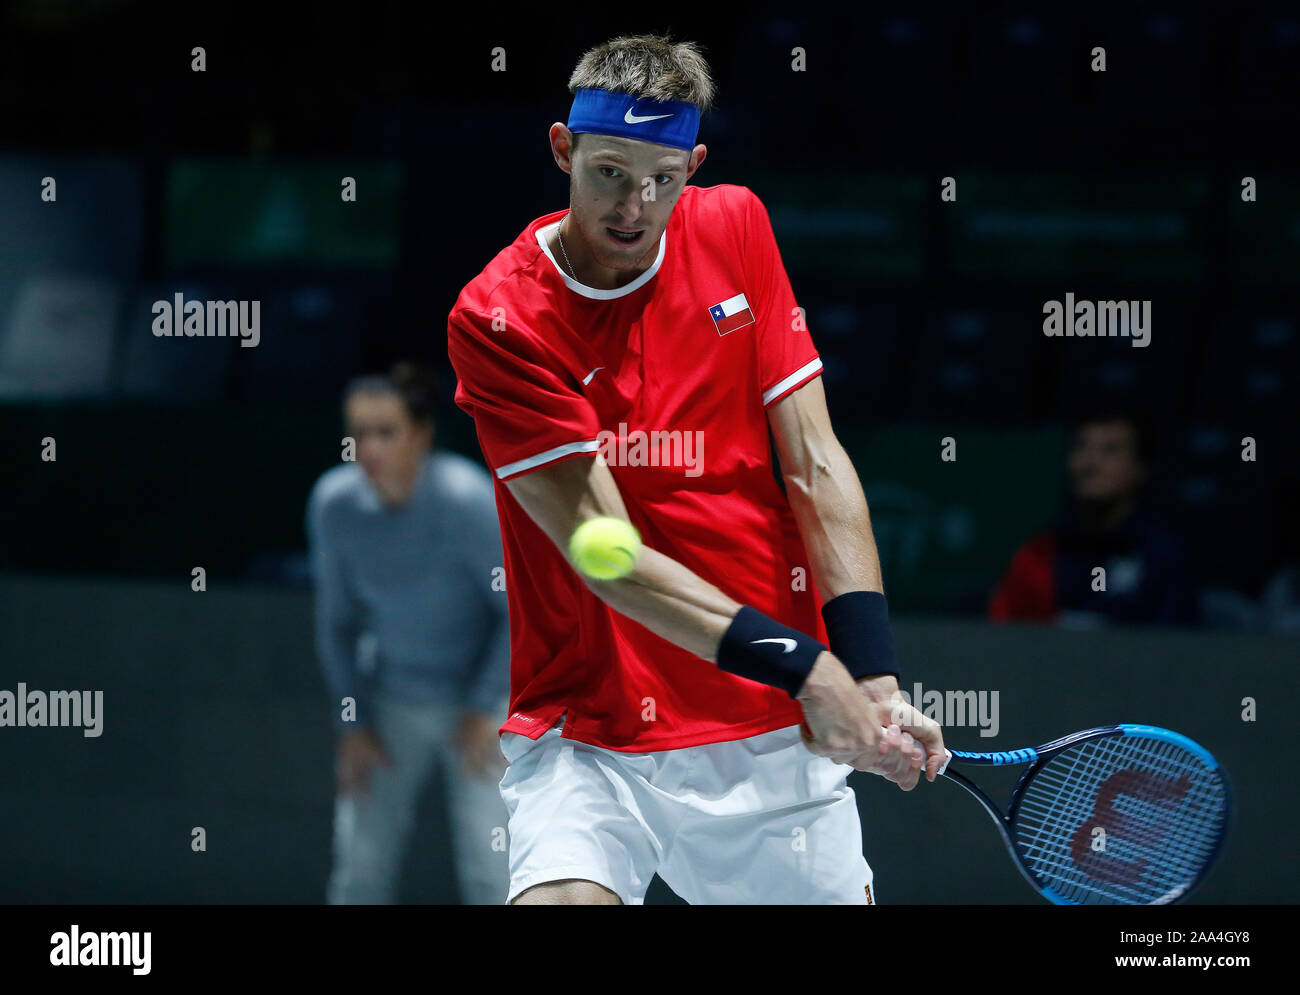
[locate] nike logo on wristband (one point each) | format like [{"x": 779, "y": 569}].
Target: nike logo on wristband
[{"x": 789, "y": 644}]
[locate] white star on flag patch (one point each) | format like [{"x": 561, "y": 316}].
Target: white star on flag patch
[{"x": 731, "y": 314}]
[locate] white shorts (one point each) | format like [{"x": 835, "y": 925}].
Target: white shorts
[{"x": 753, "y": 821}]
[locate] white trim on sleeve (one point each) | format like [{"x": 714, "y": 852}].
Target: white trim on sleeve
[
  {"x": 528, "y": 463},
  {"x": 805, "y": 371}
]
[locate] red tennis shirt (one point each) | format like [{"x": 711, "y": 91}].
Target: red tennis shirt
[{"x": 669, "y": 378}]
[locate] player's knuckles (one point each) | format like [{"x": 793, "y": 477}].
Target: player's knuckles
[
  {"x": 846, "y": 743},
  {"x": 851, "y": 757}
]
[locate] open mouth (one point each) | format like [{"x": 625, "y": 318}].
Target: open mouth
[{"x": 625, "y": 237}]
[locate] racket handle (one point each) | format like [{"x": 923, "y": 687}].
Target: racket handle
[{"x": 946, "y": 761}]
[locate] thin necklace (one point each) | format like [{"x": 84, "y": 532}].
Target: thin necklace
[{"x": 566, "y": 255}]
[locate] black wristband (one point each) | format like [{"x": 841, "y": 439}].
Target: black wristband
[
  {"x": 857, "y": 624},
  {"x": 762, "y": 649}
]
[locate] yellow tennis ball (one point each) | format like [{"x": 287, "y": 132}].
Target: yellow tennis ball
[{"x": 605, "y": 548}]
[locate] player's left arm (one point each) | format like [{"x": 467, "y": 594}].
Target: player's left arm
[
  {"x": 831, "y": 510},
  {"x": 825, "y": 494}
]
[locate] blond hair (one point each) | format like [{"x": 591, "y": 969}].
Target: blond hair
[{"x": 650, "y": 67}]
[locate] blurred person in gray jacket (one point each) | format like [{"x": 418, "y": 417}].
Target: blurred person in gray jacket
[{"x": 413, "y": 638}]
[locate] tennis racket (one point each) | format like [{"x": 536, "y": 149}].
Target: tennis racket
[{"x": 1117, "y": 815}]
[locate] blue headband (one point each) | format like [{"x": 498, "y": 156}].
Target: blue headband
[{"x": 663, "y": 122}]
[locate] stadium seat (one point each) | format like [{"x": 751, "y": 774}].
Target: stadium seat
[
  {"x": 1250, "y": 365},
  {"x": 863, "y": 346},
  {"x": 59, "y": 339},
  {"x": 1022, "y": 59},
  {"x": 311, "y": 336},
  {"x": 975, "y": 362},
  {"x": 1150, "y": 379},
  {"x": 171, "y": 369},
  {"x": 1218, "y": 501},
  {"x": 1266, "y": 67},
  {"x": 1156, "y": 61}
]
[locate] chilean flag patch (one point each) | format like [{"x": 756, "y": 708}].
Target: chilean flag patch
[{"x": 731, "y": 314}]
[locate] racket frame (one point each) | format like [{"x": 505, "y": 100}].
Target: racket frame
[{"x": 1037, "y": 757}]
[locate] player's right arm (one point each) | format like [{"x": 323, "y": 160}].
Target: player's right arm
[{"x": 677, "y": 604}]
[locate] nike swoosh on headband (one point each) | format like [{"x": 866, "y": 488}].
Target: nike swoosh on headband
[
  {"x": 788, "y": 643},
  {"x": 631, "y": 118}
]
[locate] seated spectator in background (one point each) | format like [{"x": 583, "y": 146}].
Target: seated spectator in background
[
  {"x": 1281, "y": 601},
  {"x": 404, "y": 544},
  {"x": 1147, "y": 580}
]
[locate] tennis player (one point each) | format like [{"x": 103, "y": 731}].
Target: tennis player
[{"x": 632, "y": 356}]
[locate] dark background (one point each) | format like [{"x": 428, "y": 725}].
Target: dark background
[{"x": 225, "y": 184}]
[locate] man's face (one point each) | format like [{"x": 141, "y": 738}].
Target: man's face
[
  {"x": 620, "y": 185},
  {"x": 1104, "y": 461},
  {"x": 389, "y": 444}
]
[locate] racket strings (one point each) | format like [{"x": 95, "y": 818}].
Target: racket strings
[{"x": 1161, "y": 810}]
